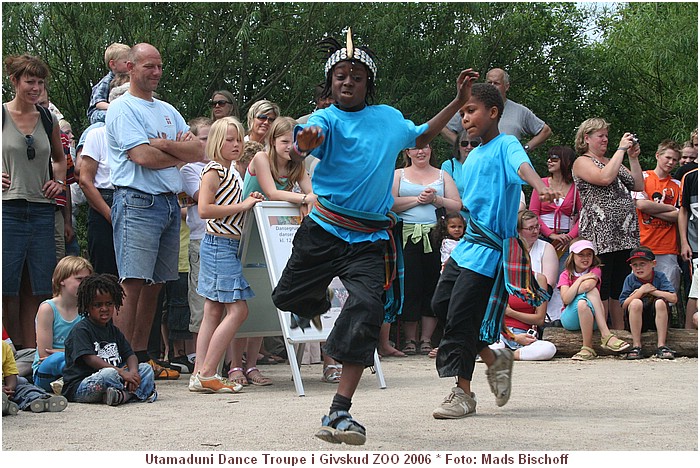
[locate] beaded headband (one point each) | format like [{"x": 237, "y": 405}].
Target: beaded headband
[{"x": 349, "y": 52}]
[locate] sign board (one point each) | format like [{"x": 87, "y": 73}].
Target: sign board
[{"x": 265, "y": 247}]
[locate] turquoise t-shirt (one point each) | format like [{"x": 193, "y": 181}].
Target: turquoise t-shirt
[
  {"x": 251, "y": 184},
  {"x": 491, "y": 194},
  {"x": 357, "y": 161}
]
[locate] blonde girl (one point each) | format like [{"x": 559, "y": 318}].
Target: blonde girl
[
  {"x": 579, "y": 284},
  {"x": 55, "y": 318},
  {"x": 273, "y": 173},
  {"x": 221, "y": 280}
]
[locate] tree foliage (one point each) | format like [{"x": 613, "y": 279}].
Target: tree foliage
[{"x": 635, "y": 65}]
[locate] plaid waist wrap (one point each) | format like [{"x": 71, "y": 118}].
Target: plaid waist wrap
[
  {"x": 363, "y": 221},
  {"x": 513, "y": 276}
]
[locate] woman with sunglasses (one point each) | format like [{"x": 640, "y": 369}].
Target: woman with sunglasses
[
  {"x": 559, "y": 218},
  {"x": 223, "y": 104},
  {"x": 28, "y": 197},
  {"x": 260, "y": 117}
]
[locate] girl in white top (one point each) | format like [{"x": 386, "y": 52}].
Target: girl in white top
[{"x": 221, "y": 279}]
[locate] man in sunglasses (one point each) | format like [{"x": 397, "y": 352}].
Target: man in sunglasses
[
  {"x": 517, "y": 120},
  {"x": 144, "y": 154}
]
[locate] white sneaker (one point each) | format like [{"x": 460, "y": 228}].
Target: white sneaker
[
  {"x": 499, "y": 375},
  {"x": 456, "y": 405},
  {"x": 195, "y": 385}
]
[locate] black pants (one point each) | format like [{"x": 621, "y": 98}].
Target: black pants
[
  {"x": 100, "y": 239},
  {"x": 460, "y": 302},
  {"x": 317, "y": 257}
]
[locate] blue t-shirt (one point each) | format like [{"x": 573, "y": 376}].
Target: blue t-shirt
[
  {"x": 130, "y": 122},
  {"x": 632, "y": 283},
  {"x": 357, "y": 161},
  {"x": 491, "y": 193}
]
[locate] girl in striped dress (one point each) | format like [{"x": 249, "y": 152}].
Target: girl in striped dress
[{"x": 221, "y": 279}]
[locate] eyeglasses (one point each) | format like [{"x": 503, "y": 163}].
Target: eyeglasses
[
  {"x": 534, "y": 228},
  {"x": 31, "y": 152},
  {"x": 553, "y": 157},
  {"x": 265, "y": 117},
  {"x": 467, "y": 143},
  {"x": 220, "y": 103}
]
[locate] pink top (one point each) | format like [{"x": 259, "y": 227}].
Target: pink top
[
  {"x": 568, "y": 207},
  {"x": 564, "y": 279}
]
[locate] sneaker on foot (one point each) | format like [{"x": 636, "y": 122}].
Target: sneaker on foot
[
  {"x": 152, "y": 397},
  {"x": 57, "y": 386},
  {"x": 214, "y": 384},
  {"x": 9, "y": 407},
  {"x": 114, "y": 397},
  {"x": 499, "y": 375},
  {"x": 339, "y": 427},
  {"x": 456, "y": 405},
  {"x": 50, "y": 403}
]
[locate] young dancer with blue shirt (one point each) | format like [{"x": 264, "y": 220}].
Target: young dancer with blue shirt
[
  {"x": 347, "y": 232},
  {"x": 472, "y": 293}
]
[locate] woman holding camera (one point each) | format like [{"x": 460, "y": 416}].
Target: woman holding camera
[{"x": 608, "y": 215}]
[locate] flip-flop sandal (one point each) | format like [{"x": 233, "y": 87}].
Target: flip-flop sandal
[
  {"x": 586, "y": 354},
  {"x": 613, "y": 343},
  {"x": 332, "y": 373},
  {"x": 257, "y": 379},
  {"x": 237, "y": 375}
]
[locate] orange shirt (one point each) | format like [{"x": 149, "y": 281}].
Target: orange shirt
[{"x": 659, "y": 235}]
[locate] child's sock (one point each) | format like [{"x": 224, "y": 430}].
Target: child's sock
[
  {"x": 142, "y": 356},
  {"x": 340, "y": 403}
]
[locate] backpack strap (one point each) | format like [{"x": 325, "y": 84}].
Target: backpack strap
[{"x": 46, "y": 120}]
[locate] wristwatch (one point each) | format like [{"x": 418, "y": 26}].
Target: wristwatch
[
  {"x": 60, "y": 182},
  {"x": 526, "y": 148}
]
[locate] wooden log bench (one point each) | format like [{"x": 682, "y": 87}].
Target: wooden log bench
[{"x": 683, "y": 342}]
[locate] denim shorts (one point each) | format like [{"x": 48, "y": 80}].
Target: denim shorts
[
  {"x": 146, "y": 235},
  {"x": 28, "y": 236},
  {"x": 220, "y": 271}
]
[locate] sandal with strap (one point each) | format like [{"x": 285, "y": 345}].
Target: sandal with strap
[
  {"x": 635, "y": 353},
  {"x": 257, "y": 378},
  {"x": 664, "y": 352},
  {"x": 613, "y": 343},
  {"x": 410, "y": 348},
  {"x": 586, "y": 354},
  {"x": 425, "y": 347},
  {"x": 332, "y": 373},
  {"x": 237, "y": 375},
  {"x": 339, "y": 427}
]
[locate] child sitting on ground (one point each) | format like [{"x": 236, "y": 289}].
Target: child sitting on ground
[
  {"x": 19, "y": 394},
  {"x": 55, "y": 318},
  {"x": 100, "y": 364},
  {"x": 645, "y": 298},
  {"x": 579, "y": 284}
]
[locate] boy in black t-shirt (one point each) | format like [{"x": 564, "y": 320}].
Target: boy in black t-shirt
[{"x": 100, "y": 364}]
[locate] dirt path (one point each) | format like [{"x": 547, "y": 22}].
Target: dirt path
[{"x": 608, "y": 404}]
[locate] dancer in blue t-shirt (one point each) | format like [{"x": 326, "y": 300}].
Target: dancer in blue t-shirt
[{"x": 347, "y": 231}]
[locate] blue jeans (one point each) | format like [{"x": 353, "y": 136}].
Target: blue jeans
[
  {"x": 146, "y": 235},
  {"x": 49, "y": 370},
  {"x": 93, "y": 387},
  {"x": 28, "y": 236},
  {"x": 25, "y": 393}
]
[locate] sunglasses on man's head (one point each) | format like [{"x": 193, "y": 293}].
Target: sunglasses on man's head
[
  {"x": 265, "y": 117},
  {"x": 219, "y": 103},
  {"x": 468, "y": 143},
  {"x": 31, "y": 152}
]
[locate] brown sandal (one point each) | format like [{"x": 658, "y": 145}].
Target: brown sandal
[{"x": 257, "y": 378}]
